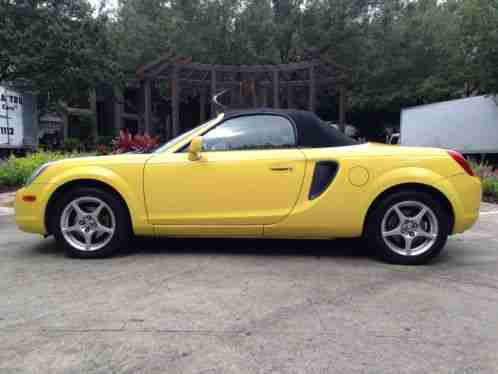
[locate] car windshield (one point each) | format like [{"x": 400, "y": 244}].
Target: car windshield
[{"x": 185, "y": 135}]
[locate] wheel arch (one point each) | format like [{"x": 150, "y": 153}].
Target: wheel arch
[
  {"x": 433, "y": 191},
  {"x": 78, "y": 183}
]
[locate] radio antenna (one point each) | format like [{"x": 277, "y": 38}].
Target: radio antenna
[{"x": 216, "y": 102}]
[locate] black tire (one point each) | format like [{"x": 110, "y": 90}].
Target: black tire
[
  {"x": 118, "y": 239},
  {"x": 373, "y": 230}
]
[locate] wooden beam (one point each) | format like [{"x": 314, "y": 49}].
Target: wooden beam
[
  {"x": 65, "y": 125},
  {"x": 93, "y": 109},
  {"x": 253, "y": 92},
  {"x": 118, "y": 110},
  {"x": 167, "y": 123},
  {"x": 312, "y": 93},
  {"x": 151, "y": 73},
  {"x": 342, "y": 108},
  {"x": 147, "y": 106},
  {"x": 197, "y": 82},
  {"x": 175, "y": 102},
  {"x": 79, "y": 112},
  {"x": 265, "y": 96},
  {"x": 290, "y": 97},
  {"x": 165, "y": 58},
  {"x": 276, "y": 89},
  {"x": 130, "y": 116},
  {"x": 213, "y": 92},
  {"x": 202, "y": 105}
]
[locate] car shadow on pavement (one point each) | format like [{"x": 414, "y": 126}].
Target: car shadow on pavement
[
  {"x": 348, "y": 248},
  {"x": 262, "y": 247}
]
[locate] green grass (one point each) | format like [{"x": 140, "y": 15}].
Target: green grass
[{"x": 15, "y": 170}]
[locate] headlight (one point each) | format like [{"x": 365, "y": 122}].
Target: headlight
[{"x": 36, "y": 174}]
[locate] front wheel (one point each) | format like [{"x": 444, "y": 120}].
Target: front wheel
[
  {"x": 408, "y": 228},
  {"x": 90, "y": 223}
]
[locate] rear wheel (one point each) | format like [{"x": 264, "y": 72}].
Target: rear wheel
[
  {"x": 408, "y": 227},
  {"x": 90, "y": 223}
]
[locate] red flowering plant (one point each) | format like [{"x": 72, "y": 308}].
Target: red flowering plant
[
  {"x": 126, "y": 142},
  {"x": 102, "y": 150}
]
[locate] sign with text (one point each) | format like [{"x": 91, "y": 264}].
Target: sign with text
[{"x": 11, "y": 117}]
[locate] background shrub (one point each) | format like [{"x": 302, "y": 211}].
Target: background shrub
[
  {"x": 490, "y": 187},
  {"x": 489, "y": 179},
  {"x": 105, "y": 140},
  {"x": 15, "y": 170},
  {"x": 72, "y": 145},
  {"x": 482, "y": 169}
]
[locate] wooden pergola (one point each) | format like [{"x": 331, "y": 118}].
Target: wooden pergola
[{"x": 293, "y": 85}]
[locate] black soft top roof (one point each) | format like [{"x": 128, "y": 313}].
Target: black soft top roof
[{"x": 312, "y": 132}]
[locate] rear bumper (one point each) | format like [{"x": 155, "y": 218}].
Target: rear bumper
[
  {"x": 30, "y": 216},
  {"x": 465, "y": 193}
]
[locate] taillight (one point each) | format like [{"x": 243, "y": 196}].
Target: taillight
[{"x": 462, "y": 162}]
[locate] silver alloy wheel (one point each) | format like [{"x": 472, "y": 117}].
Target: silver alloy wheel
[
  {"x": 409, "y": 228},
  {"x": 88, "y": 223}
]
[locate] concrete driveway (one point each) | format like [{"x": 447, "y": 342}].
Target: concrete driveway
[{"x": 234, "y": 306}]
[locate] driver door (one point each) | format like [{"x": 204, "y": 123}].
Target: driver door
[{"x": 250, "y": 173}]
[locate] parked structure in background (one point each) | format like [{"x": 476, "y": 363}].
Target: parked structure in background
[
  {"x": 18, "y": 120},
  {"x": 174, "y": 87},
  {"x": 173, "y": 94},
  {"x": 50, "y": 129},
  {"x": 169, "y": 96},
  {"x": 468, "y": 125}
]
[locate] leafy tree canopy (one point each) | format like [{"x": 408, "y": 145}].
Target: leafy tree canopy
[
  {"x": 398, "y": 53},
  {"x": 59, "y": 47}
]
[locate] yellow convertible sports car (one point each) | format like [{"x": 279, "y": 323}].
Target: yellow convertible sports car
[{"x": 257, "y": 174}]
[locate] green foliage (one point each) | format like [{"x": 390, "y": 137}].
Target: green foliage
[
  {"x": 482, "y": 169},
  {"x": 489, "y": 178},
  {"x": 105, "y": 140},
  {"x": 16, "y": 170},
  {"x": 490, "y": 187},
  {"x": 72, "y": 145},
  {"x": 60, "y": 47},
  {"x": 391, "y": 53}
]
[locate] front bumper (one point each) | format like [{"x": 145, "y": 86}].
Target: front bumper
[{"x": 30, "y": 216}]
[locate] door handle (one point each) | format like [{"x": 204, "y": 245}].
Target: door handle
[{"x": 281, "y": 168}]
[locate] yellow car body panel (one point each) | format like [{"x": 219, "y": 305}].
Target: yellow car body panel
[
  {"x": 341, "y": 210},
  {"x": 123, "y": 173},
  {"x": 223, "y": 188},
  {"x": 256, "y": 193}
]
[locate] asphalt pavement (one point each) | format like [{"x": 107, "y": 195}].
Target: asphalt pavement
[{"x": 248, "y": 306}]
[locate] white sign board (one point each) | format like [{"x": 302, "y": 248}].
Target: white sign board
[
  {"x": 11, "y": 118},
  {"x": 467, "y": 125}
]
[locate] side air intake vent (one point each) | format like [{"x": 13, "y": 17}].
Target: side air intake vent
[{"x": 324, "y": 174}]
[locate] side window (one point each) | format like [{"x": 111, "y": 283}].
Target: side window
[{"x": 251, "y": 132}]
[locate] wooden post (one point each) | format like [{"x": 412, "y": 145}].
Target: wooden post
[
  {"x": 175, "y": 102},
  {"x": 118, "y": 110},
  {"x": 265, "y": 96},
  {"x": 93, "y": 118},
  {"x": 342, "y": 108},
  {"x": 65, "y": 125},
  {"x": 202, "y": 104},
  {"x": 147, "y": 107},
  {"x": 276, "y": 89},
  {"x": 240, "y": 93},
  {"x": 312, "y": 97},
  {"x": 253, "y": 92},
  {"x": 167, "y": 123},
  {"x": 290, "y": 96},
  {"x": 36, "y": 124},
  {"x": 214, "y": 110}
]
